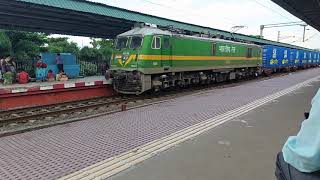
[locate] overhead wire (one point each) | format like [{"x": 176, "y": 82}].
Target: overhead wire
[
  {"x": 185, "y": 12},
  {"x": 315, "y": 34},
  {"x": 270, "y": 9}
]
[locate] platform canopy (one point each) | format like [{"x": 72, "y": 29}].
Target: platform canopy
[
  {"x": 306, "y": 10},
  {"x": 84, "y": 18}
]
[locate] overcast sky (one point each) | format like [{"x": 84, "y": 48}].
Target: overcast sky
[{"x": 223, "y": 14}]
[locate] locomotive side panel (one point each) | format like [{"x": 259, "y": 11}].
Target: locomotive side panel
[{"x": 196, "y": 54}]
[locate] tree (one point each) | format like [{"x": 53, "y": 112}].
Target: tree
[
  {"x": 104, "y": 46},
  {"x": 90, "y": 54},
  {"x": 62, "y": 45},
  {"x": 26, "y": 45},
  {"x": 5, "y": 45}
]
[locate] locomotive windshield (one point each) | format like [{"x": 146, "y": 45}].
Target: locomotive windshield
[
  {"x": 135, "y": 42},
  {"x": 121, "y": 42}
]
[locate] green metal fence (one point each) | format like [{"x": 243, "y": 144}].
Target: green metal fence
[
  {"x": 92, "y": 68},
  {"x": 28, "y": 65}
]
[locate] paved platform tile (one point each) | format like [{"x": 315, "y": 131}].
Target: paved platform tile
[{"x": 54, "y": 152}]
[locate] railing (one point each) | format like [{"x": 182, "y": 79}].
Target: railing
[
  {"x": 92, "y": 68},
  {"x": 87, "y": 68},
  {"x": 28, "y": 66}
]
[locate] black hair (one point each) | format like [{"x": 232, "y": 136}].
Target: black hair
[
  {"x": 7, "y": 55},
  {"x": 58, "y": 54}
]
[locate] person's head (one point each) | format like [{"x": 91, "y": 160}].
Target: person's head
[
  {"x": 8, "y": 58},
  {"x": 39, "y": 57},
  {"x": 50, "y": 71},
  {"x": 58, "y": 54}
]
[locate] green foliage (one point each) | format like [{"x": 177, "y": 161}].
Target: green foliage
[
  {"x": 26, "y": 45},
  {"x": 5, "y": 45},
  {"x": 90, "y": 54},
  {"x": 88, "y": 68},
  {"x": 62, "y": 45},
  {"x": 105, "y": 48},
  {"x": 101, "y": 50}
]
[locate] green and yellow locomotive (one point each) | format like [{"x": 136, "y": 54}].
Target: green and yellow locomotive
[{"x": 148, "y": 58}]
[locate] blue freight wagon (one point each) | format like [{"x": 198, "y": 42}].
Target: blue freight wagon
[
  {"x": 315, "y": 58},
  {"x": 284, "y": 57},
  {"x": 295, "y": 58},
  {"x": 304, "y": 58},
  {"x": 292, "y": 57},
  {"x": 279, "y": 56},
  {"x": 309, "y": 57},
  {"x": 270, "y": 58}
]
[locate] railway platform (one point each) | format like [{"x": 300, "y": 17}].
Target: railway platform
[
  {"x": 232, "y": 133},
  {"x": 242, "y": 149},
  {"x": 46, "y": 93}
]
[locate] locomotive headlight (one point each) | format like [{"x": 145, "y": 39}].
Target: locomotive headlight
[
  {"x": 125, "y": 57},
  {"x": 163, "y": 76}
]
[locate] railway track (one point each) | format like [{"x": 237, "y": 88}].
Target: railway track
[
  {"x": 73, "y": 111},
  {"x": 23, "y": 115}
]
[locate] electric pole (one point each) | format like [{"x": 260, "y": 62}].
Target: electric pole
[
  {"x": 299, "y": 23},
  {"x": 304, "y": 32}
]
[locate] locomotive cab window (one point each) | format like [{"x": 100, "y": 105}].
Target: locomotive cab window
[
  {"x": 121, "y": 42},
  {"x": 136, "y": 42},
  {"x": 166, "y": 43},
  {"x": 249, "y": 53},
  {"x": 214, "y": 49},
  {"x": 156, "y": 42}
]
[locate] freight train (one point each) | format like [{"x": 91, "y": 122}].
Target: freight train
[{"x": 149, "y": 58}]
